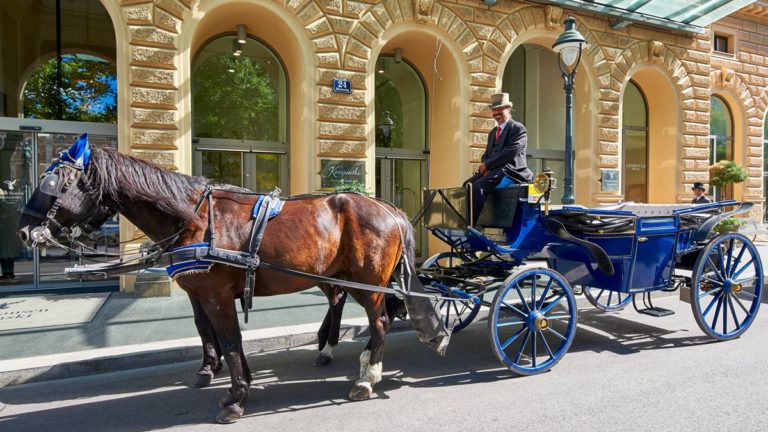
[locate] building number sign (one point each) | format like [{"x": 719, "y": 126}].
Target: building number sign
[{"x": 342, "y": 86}]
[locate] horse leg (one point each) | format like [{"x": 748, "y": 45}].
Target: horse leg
[
  {"x": 371, "y": 357},
  {"x": 328, "y": 335},
  {"x": 211, "y": 350},
  {"x": 227, "y": 328}
]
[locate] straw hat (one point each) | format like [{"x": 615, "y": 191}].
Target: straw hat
[{"x": 500, "y": 100}]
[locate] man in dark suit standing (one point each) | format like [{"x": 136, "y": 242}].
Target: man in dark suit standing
[
  {"x": 504, "y": 154},
  {"x": 698, "y": 194}
]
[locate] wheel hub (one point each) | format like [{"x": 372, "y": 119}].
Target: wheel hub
[{"x": 542, "y": 323}]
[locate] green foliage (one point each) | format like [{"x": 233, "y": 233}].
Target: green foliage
[
  {"x": 88, "y": 91},
  {"x": 353, "y": 186},
  {"x": 242, "y": 104},
  {"x": 726, "y": 172},
  {"x": 729, "y": 224}
]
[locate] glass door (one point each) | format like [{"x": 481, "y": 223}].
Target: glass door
[
  {"x": 251, "y": 166},
  {"x": 26, "y": 150},
  {"x": 401, "y": 181}
]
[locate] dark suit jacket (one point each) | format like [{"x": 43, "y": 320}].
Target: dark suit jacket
[
  {"x": 508, "y": 153},
  {"x": 701, "y": 199}
]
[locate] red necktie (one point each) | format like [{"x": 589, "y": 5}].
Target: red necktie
[{"x": 498, "y": 132}]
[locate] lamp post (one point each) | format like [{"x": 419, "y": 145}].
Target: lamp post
[
  {"x": 568, "y": 47},
  {"x": 386, "y": 126}
]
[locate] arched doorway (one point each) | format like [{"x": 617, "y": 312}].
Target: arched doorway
[
  {"x": 240, "y": 114},
  {"x": 720, "y": 140},
  {"x": 401, "y": 131},
  {"x": 535, "y": 87},
  {"x": 58, "y": 79},
  {"x": 635, "y": 144}
]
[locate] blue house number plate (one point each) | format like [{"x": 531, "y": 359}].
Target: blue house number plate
[{"x": 342, "y": 86}]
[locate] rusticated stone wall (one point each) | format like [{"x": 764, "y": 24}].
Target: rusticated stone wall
[{"x": 344, "y": 33}]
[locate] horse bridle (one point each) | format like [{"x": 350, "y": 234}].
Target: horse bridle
[{"x": 53, "y": 185}]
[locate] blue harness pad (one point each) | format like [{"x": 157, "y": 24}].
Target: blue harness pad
[
  {"x": 274, "y": 210},
  {"x": 191, "y": 265}
]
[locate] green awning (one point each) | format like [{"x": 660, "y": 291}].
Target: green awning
[{"x": 683, "y": 15}]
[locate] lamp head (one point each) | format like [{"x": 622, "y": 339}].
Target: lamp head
[{"x": 569, "y": 45}]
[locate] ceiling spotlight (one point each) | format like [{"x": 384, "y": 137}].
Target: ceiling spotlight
[
  {"x": 241, "y": 33},
  {"x": 237, "y": 48},
  {"x": 398, "y": 55}
]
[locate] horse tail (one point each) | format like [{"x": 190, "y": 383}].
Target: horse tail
[{"x": 409, "y": 242}]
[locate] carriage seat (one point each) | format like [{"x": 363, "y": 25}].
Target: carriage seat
[
  {"x": 506, "y": 182},
  {"x": 648, "y": 210}
]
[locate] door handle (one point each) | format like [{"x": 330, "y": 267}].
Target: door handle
[{"x": 642, "y": 239}]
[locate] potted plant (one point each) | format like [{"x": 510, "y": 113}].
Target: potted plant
[
  {"x": 729, "y": 224},
  {"x": 353, "y": 186},
  {"x": 726, "y": 172}
]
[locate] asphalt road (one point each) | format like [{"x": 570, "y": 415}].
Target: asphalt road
[{"x": 624, "y": 371}]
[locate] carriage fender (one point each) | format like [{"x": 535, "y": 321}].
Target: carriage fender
[{"x": 598, "y": 254}]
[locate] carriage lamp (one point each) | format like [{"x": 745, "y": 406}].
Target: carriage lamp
[
  {"x": 568, "y": 47},
  {"x": 386, "y": 126}
]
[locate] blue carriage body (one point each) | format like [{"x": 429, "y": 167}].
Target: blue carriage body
[{"x": 643, "y": 255}]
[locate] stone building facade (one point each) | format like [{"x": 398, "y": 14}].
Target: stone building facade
[{"x": 463, "y": 51}]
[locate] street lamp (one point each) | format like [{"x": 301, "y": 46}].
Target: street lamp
[
  {"x": 568, "y": 46},
  {"x": 386, "y": 126}
]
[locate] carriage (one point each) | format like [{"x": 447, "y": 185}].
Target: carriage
[
  {"x": 526, "y": 260},
  {"x": 216, "y": 241}
]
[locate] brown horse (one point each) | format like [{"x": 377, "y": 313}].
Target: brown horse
[{"x": 346, "y": 236}]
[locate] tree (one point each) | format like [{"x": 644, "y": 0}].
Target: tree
[
  {"x": 88, "y": 90},
  {"x": 234, "y": 98}
]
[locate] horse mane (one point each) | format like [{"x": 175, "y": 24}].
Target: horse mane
[{"x": 112, "y": 174}]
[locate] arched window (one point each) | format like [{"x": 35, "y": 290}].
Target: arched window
[
  {"x": 401, "y": 131},
  {"x": 720, "y": 138},
  {"x": 635, "y": 144},
  {"x": 57, "y": 63},
  {"x": 240, "y": 111},
  {"x": 80, "y": 87}
]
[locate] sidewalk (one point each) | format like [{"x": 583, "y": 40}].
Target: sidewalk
[{"x": 128, "y": 332}]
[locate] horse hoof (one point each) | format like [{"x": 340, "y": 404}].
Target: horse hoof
[
  {"x": 229, "y": 414},
  {"x": 202, "y": 381},
  {"x": 322, "y": 360},
  {"x": 361, "y": 391}
]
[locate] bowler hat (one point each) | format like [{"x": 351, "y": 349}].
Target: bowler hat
[
  {"x": 500, "y": 100},
  {"x": 698, "y": 185}
]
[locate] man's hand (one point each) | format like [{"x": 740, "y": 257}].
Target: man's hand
[{"x": 482, "y": 170}]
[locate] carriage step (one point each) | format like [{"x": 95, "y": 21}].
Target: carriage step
[{"x": 649, "y": 308}]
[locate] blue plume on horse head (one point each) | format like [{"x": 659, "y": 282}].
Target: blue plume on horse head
[{"x": 79, "y": 154}]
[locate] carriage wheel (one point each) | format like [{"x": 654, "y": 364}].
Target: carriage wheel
[
  {"x": 460, "y": 312},
  {"x": 533, "y": 320},
  {"x": 607, "y": 300},
  {"x": 727, "y": 286}
]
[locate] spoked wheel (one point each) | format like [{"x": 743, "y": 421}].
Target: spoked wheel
[
  {"x": 606, "y": 300},
  {"x": 458, "y": 313},
  {"x": 533, "y": 320},
  {"x": 727, "y": 286}
]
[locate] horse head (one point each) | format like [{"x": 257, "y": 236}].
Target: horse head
[{"x": 61, "y": 203}]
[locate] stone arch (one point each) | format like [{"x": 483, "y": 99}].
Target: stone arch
[
  {"x": 663, "y": 128},
  {"x": 616, "y": 68},
  {"x": 291, "y": 41},
  {"x": 443, "y": 75},
  {"x": 541, "y": 26},
  {"x": 747, "y": 129}
]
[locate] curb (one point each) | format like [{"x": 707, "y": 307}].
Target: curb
[{"x": 82, "y": 363}]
